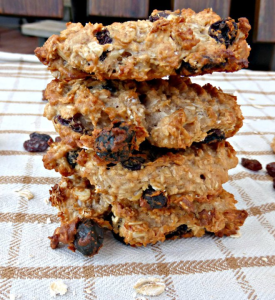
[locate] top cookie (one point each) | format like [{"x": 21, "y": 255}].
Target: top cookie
[{"x": 169, "y": 43}]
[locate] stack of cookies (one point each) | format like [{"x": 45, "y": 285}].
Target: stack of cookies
[{"x": 139, "y": 155}]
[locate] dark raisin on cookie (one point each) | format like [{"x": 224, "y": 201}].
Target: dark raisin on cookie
[
  {"x": 224, "y": 31},
  {"x": 186, "y": 66},
  {"x": 214, "y": 135},
  {"x": 38, "y": 142},
  {"x": 214, "y": 65},
  {"x": 158, "y": 16},
  {"x": 74, "y": 123},
  {"x": 109, "y": 86},
  {"x": 103, "y": 56},
  {"x": 133, "y": 163},
  {"x": 89, "y": 237},
  {"x": 72, "y": 157},
  {"x": 271, "y": 169},
  {"x": 103, "y": 37},
  {"x": 115, "y": 143},
  {"x": 60, "y": 120},
  {"x": 251, "y": 164},
  {"x": 182, "y": 229},
  {"x": 119, "y": 238},
  {"x": 155, "y": 199}
]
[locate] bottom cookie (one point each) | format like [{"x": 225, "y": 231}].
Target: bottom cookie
[{"x": 84, "y": 214}]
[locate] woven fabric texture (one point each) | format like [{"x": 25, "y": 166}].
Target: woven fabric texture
[{"x": 193, "y": 269}]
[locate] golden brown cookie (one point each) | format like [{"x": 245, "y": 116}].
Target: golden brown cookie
[
  {"x": 169, "y": 43},
  {"x": 171, "y": 113},
  {"x": 151, "y": 219},
  {"x": 198, "y": 170}
]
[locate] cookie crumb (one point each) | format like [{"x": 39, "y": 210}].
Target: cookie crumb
[
  {"x": 25, "y": 193},
  {"x": 47, "y": 201},
  {"x": 58, "y": 287},
  {"x": 237, "y": 235},
  {"x": 251, "y": 98},
  {"x": 150, "y": 286},
  {"x": 257, "y": 106},
  {"x": 264, "y": 258},
  {"x": 88, "y": 291}
]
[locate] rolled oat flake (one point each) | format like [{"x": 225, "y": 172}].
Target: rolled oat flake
[{"x": 150, "y": 286}]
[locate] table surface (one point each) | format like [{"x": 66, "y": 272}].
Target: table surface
[{"x": 197, "y": 268}]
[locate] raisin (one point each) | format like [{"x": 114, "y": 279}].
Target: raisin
[
  {"x": 182, "y": 229},
  {"x": 60, "y": 120},
  {"x": 77, "y": 127},
  {"x": 72, "y": 157},
  {"x": 103, "y": 56},
  {"x": 155, "y": 199},
  {"x": 40, "y": 136},
  {"x": 109, "y": 86},
  {"x": 214, "y": 135},
  {"x": 211, "y": 66},
  {"x": 142, "y": 98},
  {"x": 115, "y": 143},
  {"x": 251, "y": 164},
  {"x": 89, "y": 237},
  {"x": 224, "y": 31},
  {"x": 271, "y": 169},
  {"x": 133, "y": 163},
  {"x": 186, "y": 66},
  {"x": 74, "y": 123},
  {"x": 57, "y": 139},
  {"x": 37, "y": 143},
  {"x": 103, "y": 37},
  {"x": 119, "y": 238},
  {"x": 158, "y": 16}
]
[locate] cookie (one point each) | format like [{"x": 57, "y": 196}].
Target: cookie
[
  {"x": 198, "y": 170},
  {"x": 169, "y": 43},
  {"x": 171, "y": 113},
  {"x": 139, "y": 226},
  {"x": 155, "y": 217}
]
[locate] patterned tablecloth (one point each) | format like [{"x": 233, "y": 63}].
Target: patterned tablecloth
[{"x": 193, "y": 269}]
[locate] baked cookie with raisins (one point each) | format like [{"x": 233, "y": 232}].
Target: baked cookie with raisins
[
  {"x": 198, "y": 170},
  {"x": 171, "y": 113},
  {"x": 169, "y": 43},
  {"x": 148, "y": 220}
]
